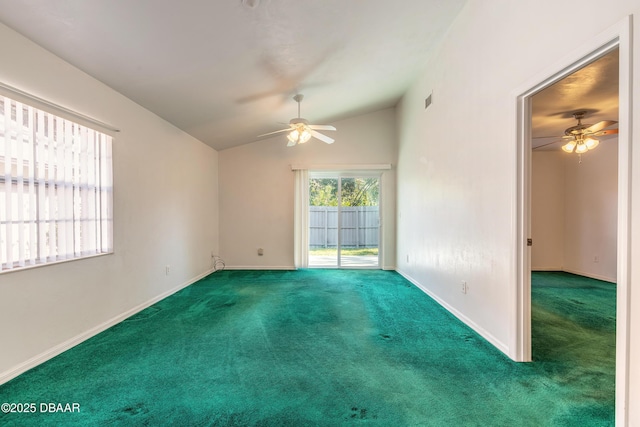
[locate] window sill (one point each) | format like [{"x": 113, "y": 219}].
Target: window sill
[{"x": 46, "y": 264}]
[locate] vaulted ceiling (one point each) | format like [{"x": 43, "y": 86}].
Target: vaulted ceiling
[{"x": 226, "y": 70}]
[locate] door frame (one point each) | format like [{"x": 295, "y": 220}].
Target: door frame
[{"x": 618, "y": 36}]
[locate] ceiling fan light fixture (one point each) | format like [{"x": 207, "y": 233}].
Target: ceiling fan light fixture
[
  {"x": 299, "y": 135},
  {"x": 591, "y": 143},
  {"x": 293, "y": 136},
  {"x": 569, "y": 147},
  {"x": 305, "y": 136},
  {"x": 582, "y": 148}
]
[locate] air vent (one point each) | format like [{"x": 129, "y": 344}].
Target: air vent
[{"x": 427, "y": 101}]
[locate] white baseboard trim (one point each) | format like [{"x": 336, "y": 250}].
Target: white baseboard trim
[
  {"x": 72, "y": 342},
  {"x": 259, "y": 267},
  {"x": 285, "y": 267},
  {"x": 464, "y": 319},
  {"x": 579, "y": 273},
  {"x": 591, "y": 276}
]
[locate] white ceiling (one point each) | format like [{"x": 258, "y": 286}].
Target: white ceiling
[
  {"x": 593, "y": 89},
  {"x": 225, "y": 72}
]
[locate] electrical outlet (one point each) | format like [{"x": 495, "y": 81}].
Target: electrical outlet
[
  {"x": 260, "y": 251},
  {"x": 464, "y": 289},
  {"x": 167, "y": 270},
  {"x": 596, "y": 259}
]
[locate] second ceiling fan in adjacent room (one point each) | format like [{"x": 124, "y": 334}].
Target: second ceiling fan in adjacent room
[{"x": 582, "y": 136}]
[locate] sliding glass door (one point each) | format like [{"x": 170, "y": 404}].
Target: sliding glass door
[
  {"x": 344, "y": 221},
  {"x": 359, "y": 222},
  {"x": 323, "y": 221}
]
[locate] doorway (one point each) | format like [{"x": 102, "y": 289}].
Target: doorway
[
  {"x": 617, "y": 37},
  {"x": 344, "y": 220},
  {"x": 574, "y": 223}
]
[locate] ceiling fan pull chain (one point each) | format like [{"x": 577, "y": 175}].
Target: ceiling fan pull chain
[{"x": 579, "y": 158}]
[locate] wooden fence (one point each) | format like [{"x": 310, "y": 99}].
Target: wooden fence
[{"x": 359, "y": 226}]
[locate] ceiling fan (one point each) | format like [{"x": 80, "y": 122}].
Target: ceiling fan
[
  {"x": 300, "y": 131},
  {"x": 582, "y": 136}
]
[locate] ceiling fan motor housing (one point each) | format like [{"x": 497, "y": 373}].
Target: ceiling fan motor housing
[
  {"x": 579, "y": 128},
  {"x": 299, "y": 120}
]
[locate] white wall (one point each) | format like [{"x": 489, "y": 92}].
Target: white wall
[
  {"x": 165, "y": 213},
  {"x": 591, "y": 223},
  {"x": 256, "y": 188},
  {"x": 574, "y": 211},
  {"x": 548, "y": 210},
  {"x": 457, "y": 159}
]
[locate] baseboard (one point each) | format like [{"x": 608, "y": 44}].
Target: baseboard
[
  {"x": 259, "y": 267},
  {"x": 579, "y": 273},
  {"x": 591, "y": 276},
  {"x": 464, "y": 319},
  {"x": 285, "y": 267},
  {"x": 72, "y": 342}
]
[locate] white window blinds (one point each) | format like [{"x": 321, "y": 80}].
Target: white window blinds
[{"x": 55, "y": 188}]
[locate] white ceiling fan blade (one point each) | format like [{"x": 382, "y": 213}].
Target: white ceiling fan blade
[
  {"x": 322, "y": 127},
  {"x": 273, "y": 133},
  {"x": 599, "y": 126},
  {"x": 321, "y": 137},
  {"x": 553, "y": 136},
  {"x": 605, "y": 132},
  {"x": 544, "y": 145}
]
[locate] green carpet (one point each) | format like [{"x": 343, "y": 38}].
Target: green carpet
[{"x": 330, "y": 348}]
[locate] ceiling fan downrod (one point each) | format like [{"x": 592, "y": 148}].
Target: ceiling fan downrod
[{"x": 298, "y": 98}]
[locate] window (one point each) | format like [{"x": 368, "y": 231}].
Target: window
[{"x": 55, "y": 188}]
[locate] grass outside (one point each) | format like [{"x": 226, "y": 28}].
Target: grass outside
[{"x": 344, "y": 251}]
